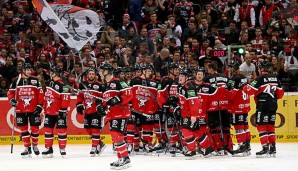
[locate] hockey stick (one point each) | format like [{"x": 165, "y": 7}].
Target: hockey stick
[
  {"x": 14, "y": 115},
  {"x": 178, "y": 126}
]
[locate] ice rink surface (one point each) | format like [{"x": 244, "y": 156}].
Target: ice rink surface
[{"x": 78, "y": 159}]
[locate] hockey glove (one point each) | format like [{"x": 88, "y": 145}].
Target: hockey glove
[
  {"x": 80, "y": 108},
  {"x": 13, "y": 102},
  {"x": 114, "y": 101},
  {"x": 173, "y": 100},
  {"x": 38, "y": 110},
  {"x": 101, "y": 110}
]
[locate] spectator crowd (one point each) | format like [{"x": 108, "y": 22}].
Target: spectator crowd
[{"x": 156, "y": 32}]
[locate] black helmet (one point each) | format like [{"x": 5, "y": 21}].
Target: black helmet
[
  {"x": 27, "y": 66},
  {"x": 234, "y": 64},
  {"x": 144, "y": 67},
  {"x": 173, "y": 65},
  {"x": 185, "y": 71},
  {"x": 201, "y": 69},
  {"x": 57, "y": 71},
  {"x": 107, "y": 66},
  {"x": 90, "y": 69},
  {"x": 266, "y": 65}
]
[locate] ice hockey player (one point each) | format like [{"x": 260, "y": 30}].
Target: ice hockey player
[
  {"x": 92, "y": 108},
  {"x": 267, "y": 90},
  {"x": 205, "y": 92},
  {"x": 57, "y": 99},
  {"x": 144, "y": 90},
  {"x": 239, "y": 106},
  {"x": 167, "y": 98},
  {"x": 117, "y": 96},
  {"x": 218, "y": 116},
  {"x": 190, "y": 106},
  {"x": 26, "y": 95}
]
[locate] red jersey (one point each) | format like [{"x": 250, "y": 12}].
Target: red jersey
[
  {"x": 239, "y": 100},
  {"x": 167, "y": 88},
  {"x": 221, "y": 81},
  {"x": 28, "y": 93},
  {"x": 57, "y": 97},
  {"x": 205, "y": 93},
  {"x": 188, "y": 100},
  {"x": 113, "y": 88},
  {"x": 85, "y": 95},
  {"x": 145, "y": 95}
]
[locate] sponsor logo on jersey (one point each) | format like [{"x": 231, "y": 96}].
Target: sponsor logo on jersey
[
  {"x": 33, "y": 82},
  {"x": 95, "y": 87},
  {"x": 57, "y": 87}
]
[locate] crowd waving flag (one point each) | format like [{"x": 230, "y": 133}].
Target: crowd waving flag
[{"x": 75, "y": 25}]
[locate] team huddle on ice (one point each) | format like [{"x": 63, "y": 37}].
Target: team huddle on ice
[{"x": 195, "y": 105}]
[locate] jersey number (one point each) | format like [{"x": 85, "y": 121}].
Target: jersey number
[{"x": 270, "y": 89}]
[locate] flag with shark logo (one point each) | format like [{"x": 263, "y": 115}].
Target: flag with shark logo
[{"x": 75, "y": 25}]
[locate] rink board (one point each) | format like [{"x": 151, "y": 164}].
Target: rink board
[{"x": 286, "y": 123}]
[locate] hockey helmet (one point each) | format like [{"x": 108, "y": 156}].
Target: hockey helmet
[
  {"x": 145, "y": 67},
  {"x": 266, "y": 65},
  {"x": 56, "y": 70},
  {"x": 234, "y": 64},
  {"x": 173, "y": 65},
  {"x": 185, "y": 71},
  {"x": 90, "y": 69},
  {"x": 27, "y": 66}
]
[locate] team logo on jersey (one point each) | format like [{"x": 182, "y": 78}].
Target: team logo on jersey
[
  {"x": 89, "y": 104},
  {"x": 142, "y": 101},
  {"x": 33, "y": 82},
  {"x": 26, "y": 101},
  {"x": 113, "y": 85},
  {"x": 95, "y": 87},
  {"x": 49, "y": 103},
  {"x": 205, "y": 89},
  {"x": 57, "y": 87},
  {"x": 153, "y": 84}
]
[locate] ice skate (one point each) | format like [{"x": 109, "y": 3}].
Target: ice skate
[
  {"x": 130, "y": 148},
  {"x": 35, "y": 150},
  {"x": 207, "y": 152},
  {"x": 190, "y": 155},
  {"x": 62, "y": 152},
  {"x": 48, "y": 153},
  {"x": 26, "y": 153},
  {"x": 173, "y": 150},
  {"x": 93, "y": 152},
  {"x": 160, "y": 147},
  {"x": 148, "y": 149},
  {"x": 272, "y": 150},
  {"x": 248, "y": 148},
  {"x": 121, "y": 163},
  {"x": 241, "y": 151},
  {"x": 100, "y": 148},
  {"x": 264, "y": 152}
]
